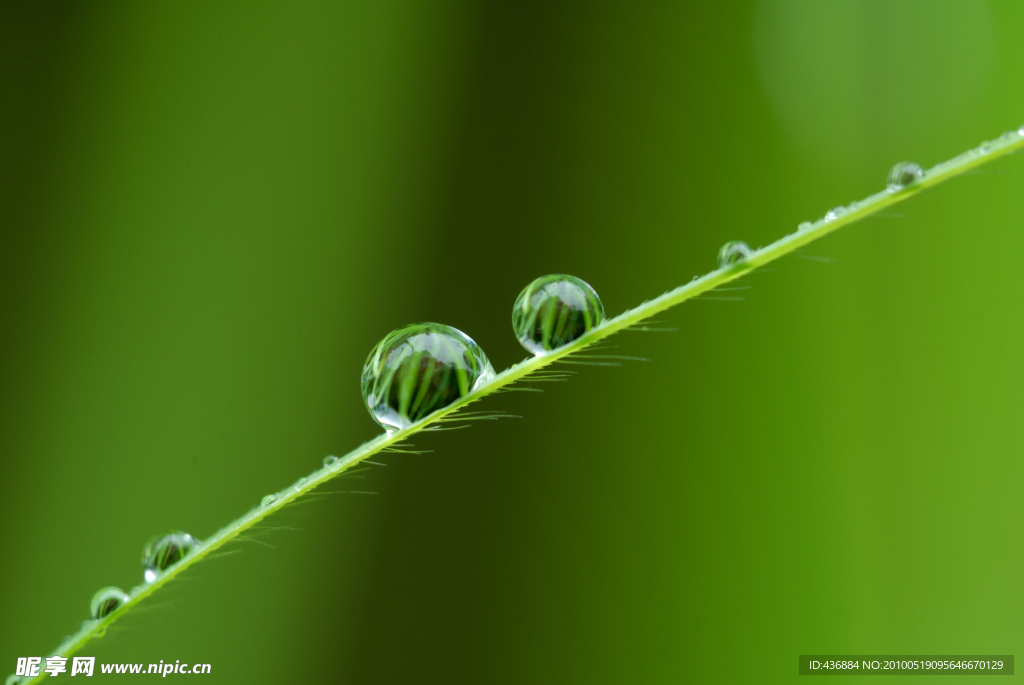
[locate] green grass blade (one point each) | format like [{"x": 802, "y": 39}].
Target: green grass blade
[{"x": 985, "y": 153}]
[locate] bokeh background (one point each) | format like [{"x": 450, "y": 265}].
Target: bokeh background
[{"x": 210, "y": 212}]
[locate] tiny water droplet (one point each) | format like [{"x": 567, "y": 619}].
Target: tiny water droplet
[
  {"x": 330, "y": 460},
  {"x": 553, "y": 311},
  {"x": 165, "y": 550},
  {"x": 903, "y": 174},
  {"x": 804, "y": 226},
  {"x": 694, "y": 278},
  {"x": 985, "y": 148},
  {"x": 1020, "y": 131},
  {"x": 733, "y": 252},
  {"x": 106, "y": 600},
  {"x": 302, "y": 481},
  {"x": 418, "y": 369},
  {"x": 834, "y": 213},
  {"x": 268, "y": 500}
]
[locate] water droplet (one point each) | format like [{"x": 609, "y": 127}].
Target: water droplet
[
  {"x": 903, "y": 174},
  {"x": 267, "y": 501},
  {"x": 733, "y": 252},
  {"x": 834, "y": 213},
  {"x": 805, "y": 226},
  {"x": 985, "y": 148},
  {"x": 165, "y": 550},
  {"x": 553, "y": 311},
  {"x": 1020, "y": 131},
  {"x": 418, "y": 369},
  {"x": 106, "y": 600},
  {"x": 330, "y": 460},
  {"x": 12, "y": 680}
]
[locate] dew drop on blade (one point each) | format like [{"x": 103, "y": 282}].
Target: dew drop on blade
[
  {"x": 165, "y": 550},
  {"x": 554, "y": 310},
  {"x": 330, "y": 460},
  {"x": 733, "y": 252},
  {"x": 268, "y": 500},
  {"x": 834, "y": 213},
  {"x": 106, "y": 600},
  {"x": 902, "y": 175},
  {"x": 804, "y": 226},
  {"x": 419, "y": 369}
]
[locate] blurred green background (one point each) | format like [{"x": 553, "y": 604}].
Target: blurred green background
[{"x": 210, "y": 212}]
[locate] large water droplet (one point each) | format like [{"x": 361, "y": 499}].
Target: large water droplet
[
  {"x": 419, "y": 369},
  {"x": 903, "y": 174},
  {"x": 553, "y": 311},
  {"x": 733, "y": 252},
  {"x": 330, "y": 460},
  {"x": 106, "y": 600},
  {"x": 268, "y": 500},
  {"x": 164, "y": 550}
]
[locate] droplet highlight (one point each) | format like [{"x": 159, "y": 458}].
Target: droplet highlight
[
  {"x": 165, "y": 550},
  {"x": 106, "y": 600},
  {"x": 419, "y": 369},
  {"x": 733, "y": 252},
  {"x": 805, "y": 226},
  {"x": 554, "y": 310},
  {"x": 267, "y": 501},
  {"x": 330, "y": 460},
  {"x": 902, "y": 175}
]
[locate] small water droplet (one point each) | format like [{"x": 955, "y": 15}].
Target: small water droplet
[
  {"x": 330, "y": 460},
  {"x": 694, "y": 278},
  {"x": 165, "y": 550},
  {"x": 553, "y": 311},
  {"x": 985, "y": 148},
  {"x": 106, "y": 600},
  {"x": 834, "y": 213},
  {"x": 418, "y": 369},
  {"x": 733, "y": 252},
  {"x": 1020, "y": 131},
  {"x": 302, "y": 481},
  {"x": 267, "y": 501},
  {"x": 805, "y": 226},
  {"x": 902, "y": 175}
]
